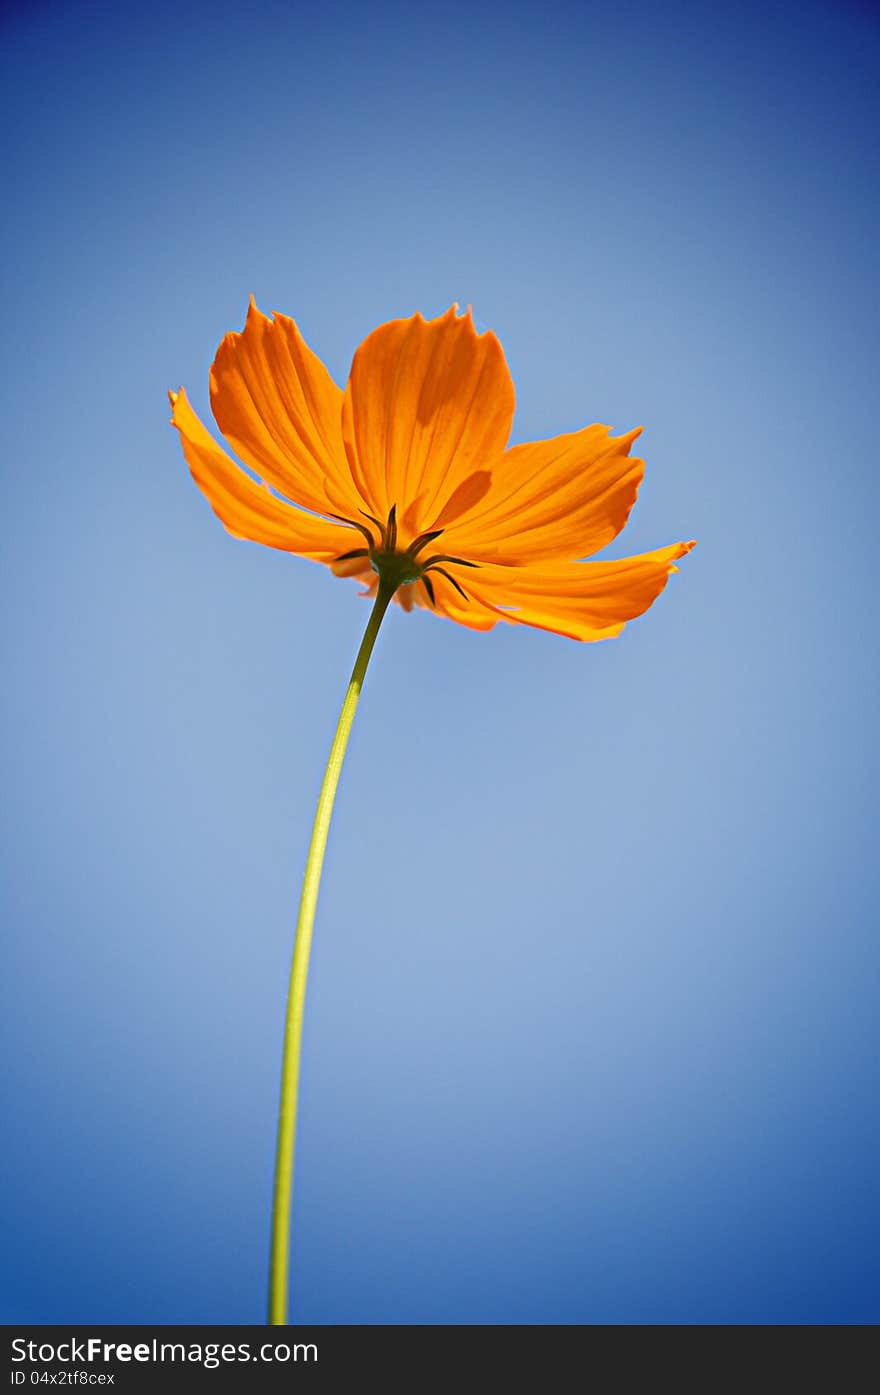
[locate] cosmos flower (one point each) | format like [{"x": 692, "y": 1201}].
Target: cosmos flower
[
  {"x": 405, "y": 481},
  {"x": 408, "y": 473}
]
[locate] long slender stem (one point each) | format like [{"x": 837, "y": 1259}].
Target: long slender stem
[{"x": 279, "y": 1263}]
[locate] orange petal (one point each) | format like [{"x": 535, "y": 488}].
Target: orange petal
[
  {"x": 428, "y": 405},
  {"x": 281, "y": 412},
  {"x": 473, "y": 613},
  {"x": 563, "y": 498},
  {"x": 448, "y": 603},
  {"x": 584, "y": 600},
  {"x": 250, "y": 510}
]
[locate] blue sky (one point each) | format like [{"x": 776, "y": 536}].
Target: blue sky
[{"x": 592, "y": 1030}]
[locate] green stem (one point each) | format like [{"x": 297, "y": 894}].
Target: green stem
[{"x": 280, "y": 1257}]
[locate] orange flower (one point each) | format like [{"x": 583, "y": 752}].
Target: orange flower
[{"x": 408, "y": 472}]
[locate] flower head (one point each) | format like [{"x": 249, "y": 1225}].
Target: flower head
[{"x": 407, "y": 475}]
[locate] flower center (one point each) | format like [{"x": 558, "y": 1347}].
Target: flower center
[
  {"x": 396, "y": 568},
  {"x": 401, "y": 568}
]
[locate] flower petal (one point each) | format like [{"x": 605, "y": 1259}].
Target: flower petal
[
  {"x": 473, "y": 613},
  {"x": 250, "y": 510},
  {"x": 281, "y": 412},
  {"x": 559, "y": 499},
  {"x": 584, "y": 600},
  {"x": 429, "y": 404}
]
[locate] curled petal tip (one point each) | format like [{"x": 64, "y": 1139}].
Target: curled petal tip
[
  {"x": 253, "y": 311},
  {"x": 173, "y": 396},
  {"x": 681, "y": 550}
]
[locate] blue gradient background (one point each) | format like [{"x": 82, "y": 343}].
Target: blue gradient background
[{"x": 592, "y": 1029}]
